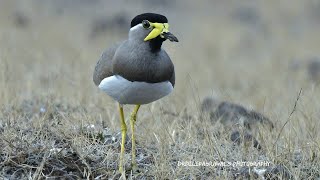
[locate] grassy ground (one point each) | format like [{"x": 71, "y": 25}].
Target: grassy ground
[{"x": 55, "y": 123}]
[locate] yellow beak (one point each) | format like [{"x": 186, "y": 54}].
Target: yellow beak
[{"x": 158, "y": 29}]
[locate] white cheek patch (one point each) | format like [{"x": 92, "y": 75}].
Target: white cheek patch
[
  {"x": 127, "y": 92},
  {"x": 136, "y": 27}
]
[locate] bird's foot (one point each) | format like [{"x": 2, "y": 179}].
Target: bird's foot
[{"x": 134, "y": 167}]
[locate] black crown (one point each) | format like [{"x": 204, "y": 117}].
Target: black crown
[{"x": 152, "y": 17}]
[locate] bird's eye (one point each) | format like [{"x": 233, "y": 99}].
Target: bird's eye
[{"x": 145, "y": 24}]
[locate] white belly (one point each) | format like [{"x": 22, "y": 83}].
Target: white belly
[{"x": 127, "y": 92}]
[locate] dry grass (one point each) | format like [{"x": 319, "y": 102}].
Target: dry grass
[{"x": 55, "y": 123}]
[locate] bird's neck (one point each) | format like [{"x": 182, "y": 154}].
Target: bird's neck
[{"x": 155, "y": 44}]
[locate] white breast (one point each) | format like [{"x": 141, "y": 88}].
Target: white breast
[{"x": 127, "y": 92}]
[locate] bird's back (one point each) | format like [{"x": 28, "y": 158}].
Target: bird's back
[
  {"x": 103, "y": 67},
  {"x": 135, "y": 62},
  {"x": 119, "y": 60}
]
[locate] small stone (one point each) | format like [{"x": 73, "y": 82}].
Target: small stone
[
  {"x": 43, "y": 110},
  {"x": 277, "y": 172}
]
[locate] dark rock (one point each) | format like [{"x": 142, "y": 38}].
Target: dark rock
[
  {"x": 238, "y": 115},
  {"x": 208, "y": 104},
  {"x": 229, "y": 112},
  {"x": 277, "y": 172},
  {"x": 253, "y": 115},
  {"x": 21, "y": 20},
  {"x": 244, "y": 137},
  {"x": 313, "y": 69}
]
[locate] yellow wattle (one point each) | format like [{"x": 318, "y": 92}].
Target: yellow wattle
[{"x": 157, "y": 30}]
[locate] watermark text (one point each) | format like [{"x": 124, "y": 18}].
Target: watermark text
[{"x": 224, "y": 163}]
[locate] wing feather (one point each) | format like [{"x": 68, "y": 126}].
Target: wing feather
[{"x": 103, "y": 67}]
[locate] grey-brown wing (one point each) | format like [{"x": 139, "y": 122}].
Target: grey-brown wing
[{"x": 103, "y": 67}]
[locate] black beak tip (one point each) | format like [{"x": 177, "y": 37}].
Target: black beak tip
[
  {"x": 171, "y": 37},
  {"x": 174, "y": 39}
]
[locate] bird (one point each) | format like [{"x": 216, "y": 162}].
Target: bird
[{"x": 137, "y": 71}]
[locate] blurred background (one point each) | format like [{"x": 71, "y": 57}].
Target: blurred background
[
  {"x": 258, "y": 54},
  {"x": 243, "y": 50}
]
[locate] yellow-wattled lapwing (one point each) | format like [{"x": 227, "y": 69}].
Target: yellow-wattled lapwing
[{"x": 137, "y": 71}]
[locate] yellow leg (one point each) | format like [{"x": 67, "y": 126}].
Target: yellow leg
[
  {"x": 132, "y": 123},
  {"x": 123, "y": 133}
]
